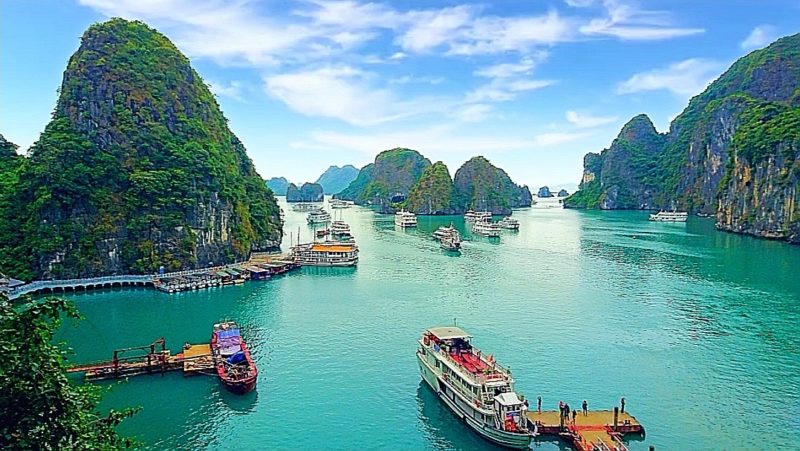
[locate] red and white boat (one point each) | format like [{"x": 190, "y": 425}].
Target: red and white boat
[{"x": 235, "y": 366}]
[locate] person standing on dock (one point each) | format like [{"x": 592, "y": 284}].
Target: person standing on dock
[
  {"x": 622, "y": 404},
  {"x": 585, "y": 406},
  {"x": 539, "y": 404},
  {"x": 574, "y": 416},
  {"x": 566, "y": 410}
]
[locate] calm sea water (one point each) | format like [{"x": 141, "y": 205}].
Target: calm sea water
[{"x": 698, "y": 329}]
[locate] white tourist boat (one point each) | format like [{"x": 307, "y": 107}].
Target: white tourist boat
[
  {"x": 476, "y": 388},
  {"x": 670, "y": 216},
  {"x": 305, "y": 206},
  {"x": 405, "y": 219},
  {"x": 508, "y": 223},
  {"x": 477, "y": 215},
  {"x": 338, "y": 203},
  {"x": 443, "y": 232},
  {"x": 448, "y": 237},
  {"x": 318, "y": 216},
  {"x": 486, "y": 228},
  {"x": 328, "y": 253}
]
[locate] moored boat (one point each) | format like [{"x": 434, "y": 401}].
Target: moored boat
[
  {"x": 405, "y": 219},
  {"x": 305, "y": 206},
  {"x": 670, "y": 216},
  {"x": 473, "y": 386},
  {"x": 508, "y": 223},
  {"x": 318, "y": 216},
  {"x": 486, "y": 228},
  {"x": 328, "y": 253},
  {"x": 232, "y": 360}
]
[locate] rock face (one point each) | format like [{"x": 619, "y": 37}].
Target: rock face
[
  {"x": 336, "y": 178},
  {"x": 563, "y": 193},
  {"x": 10, "y": 233},
  {"x": 479, "y": 185},
  {"x": 278, "y": 185},
  {"x": 433, "y": 192},
  {"x": 138, "y": 168},
  {"x": 544, "y": 192},
  {"x": 309, "y": 192},
  {"x": 388, "y": 180},
  {"x": 733, "y": 152}
]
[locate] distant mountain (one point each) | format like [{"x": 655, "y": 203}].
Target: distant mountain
[
  {"x": 309, "y": 192},
  {"x": 278, "y": 185},
  {"x": 136, "y": 170},
  {"x": 479, "y": 185},
  {"x": 336, "y": 178},
  {"x": 733, "y": 152},
  {"x": 544, "y": 192},
  {"x": 388, "y": 180}
]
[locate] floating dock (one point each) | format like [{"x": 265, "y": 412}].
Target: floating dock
[
  {"x": 150, "y": 359},
  {"x": 597, "y": 430}
]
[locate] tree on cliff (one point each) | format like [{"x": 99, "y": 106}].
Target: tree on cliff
[{"x": 40, "y": 408}]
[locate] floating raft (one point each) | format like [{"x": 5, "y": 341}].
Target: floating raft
[{"x": 594, "y": 431}]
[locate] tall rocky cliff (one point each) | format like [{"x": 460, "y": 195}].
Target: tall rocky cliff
[
  {"x": 733, "y": 152},
  {"x": 479, "y": 185},
  {"x": 388, "y": 180},
  {"x": 336, "y": 178},
  {"x": 433, "y": 192},
  {"x": 309, "y": 192},
  {"x": 137, "y": 168}
]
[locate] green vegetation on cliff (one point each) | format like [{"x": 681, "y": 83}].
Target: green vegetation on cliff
[
  {"x": 137, "y": 168},
  {"x": 10, "y": 233},
  {"x": 479, "y": 185},
  {"x": 433, "y": 192},
  {"x": 732, "y": 152},
  {"x": 391, "y": 176}
]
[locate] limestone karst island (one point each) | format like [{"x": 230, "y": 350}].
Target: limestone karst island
[{"x": 345, "y": 224}]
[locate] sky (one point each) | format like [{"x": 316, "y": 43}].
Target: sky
[{"x": 531, "y": 85}]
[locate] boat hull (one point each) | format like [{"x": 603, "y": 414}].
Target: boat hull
[
  {"x": 448, "y": 396},
  {"x": 239, "y": 387}
]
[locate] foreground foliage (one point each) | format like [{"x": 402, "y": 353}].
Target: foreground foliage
[{"x": 40, "y": 408}]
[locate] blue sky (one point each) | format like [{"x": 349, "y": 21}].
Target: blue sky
[{"x": 531, "y": 85}]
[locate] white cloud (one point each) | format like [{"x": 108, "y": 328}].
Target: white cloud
[
  {"x": 627, "y": 22},
  {"x": 398, "y": 56},
  {"x": 411, "y": 79},
  {"x": 232, "y": 89},
  {"x": 587, "y": 121},
  {"x": 555, "y": 138},
  {"x": 477, "y": 112},
  {"x": 579, "y": 3},
  {"x": 759, "y": 37},
  {"x": 684, "y": 78},
  {"x": 507, "y": 80},
  {"x": 503, "y": 70}
]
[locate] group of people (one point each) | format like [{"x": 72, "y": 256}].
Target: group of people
[{"x": 565, "y": 411}]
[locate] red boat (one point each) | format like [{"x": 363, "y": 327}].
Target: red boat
[{"x": 235, "y": 367}]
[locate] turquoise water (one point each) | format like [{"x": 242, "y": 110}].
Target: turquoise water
[{"x": 698, "y": 329}]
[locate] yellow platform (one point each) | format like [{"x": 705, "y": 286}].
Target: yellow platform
[{"x": 197, "y": 358}]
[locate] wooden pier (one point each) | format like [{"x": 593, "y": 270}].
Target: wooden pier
[
  {"x": 150, "y": 359},
  {"x": 598, "y": 430}
]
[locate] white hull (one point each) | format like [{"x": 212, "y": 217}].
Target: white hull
[
  {"x": 465, "y": 411},
  {"x": 339, "y": 264}
]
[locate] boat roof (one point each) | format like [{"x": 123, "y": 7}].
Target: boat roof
[
  {"x": 448, "y": 332},
  {"x": 332, "y": 248},
  {"x": 508, "y": 399}
]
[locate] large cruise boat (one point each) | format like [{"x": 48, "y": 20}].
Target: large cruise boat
[
  {"x": 670, "y": 216},
  {"x": 405, "y": 219},
  {"x": 508, "y": 223},
  {"x": 338, "y": 203},
  {"x": 475, "y": 387},
  {"x": 328, "y": 253},
  {"x": 448, "y": 238},
  {"x": 486, "y": 228},
  {"x": 305, "y": 206},
  {"x": 319, "y": 216},
  {"x": 477, "y": 215}
]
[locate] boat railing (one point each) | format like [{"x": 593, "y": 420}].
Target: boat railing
[{"x": 497, "y": 373}]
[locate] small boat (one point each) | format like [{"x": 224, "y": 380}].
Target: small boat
[
  {"x": 322, "y": 233},
  {"x": 486, "y": 228},
  {"x": 670, "y": 216},
  {"x": 318, "y": 216},
  {"x": 508, "y": 223},
  {"x": 328, "y": 253},
  {"x": 473, "y": 386},
  {"x": 473, "y": 216},
  {"x": 405, "y": 219},
  {"x": 235, "y": 366},
  {"x": 451, "y": 243},
  {"x": 338, "y": 203}
]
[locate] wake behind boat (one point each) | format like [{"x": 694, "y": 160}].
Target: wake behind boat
[
  {"x": 474, "y": 387},
  {"x": 232, "y": 360}
]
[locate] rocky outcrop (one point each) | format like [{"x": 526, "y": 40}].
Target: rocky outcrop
[
  {"x": 544, "y": 192},
  {"x": 562, "y": 193},
  {"x": 278, "y": 185},
  {"x": 309, "y": 192},
  {"x": 433, "y": 192},
  {"x": 137, "y": 169},
  {"x": 479, "y": 185},
  {"x": 732, "y": 152},
  {"x": 387, "y": 182},
  {"x": 336, "y": 178}
]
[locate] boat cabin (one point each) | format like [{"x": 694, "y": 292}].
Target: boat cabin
[{"x": 509, "y": 411}]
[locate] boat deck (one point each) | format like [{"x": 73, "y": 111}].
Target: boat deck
[{"x": 595, "y": 430}]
